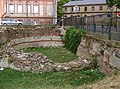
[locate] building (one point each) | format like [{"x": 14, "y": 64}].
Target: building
[
  {"x": 83, "y": 8},
  {"x": 36, "y": 11}
]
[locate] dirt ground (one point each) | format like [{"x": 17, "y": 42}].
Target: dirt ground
[{"x": 112, "y": 82}]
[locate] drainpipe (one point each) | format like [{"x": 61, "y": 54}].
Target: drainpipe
[
  {"x": 27, "y": 9},
  {"x": 55, "y": 12},
  {"x": 5, "y": 11}
]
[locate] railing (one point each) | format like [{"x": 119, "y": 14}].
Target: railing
[{"x": 102, "y": 23}]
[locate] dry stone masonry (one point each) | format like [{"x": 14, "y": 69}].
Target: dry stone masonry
[
  {"x": 11, "y": 41},
  {"x": 107, "y": 53},
  {"x": 37, "y": 62}
]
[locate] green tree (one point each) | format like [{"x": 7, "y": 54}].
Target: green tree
[
  {"x": 117, "y": 3},
  {"x": 111, "y": 3},
  {"x": 59, "y": 7}
]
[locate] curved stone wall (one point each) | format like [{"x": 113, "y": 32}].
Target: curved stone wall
[
  {"x": 19, "y": 39},
  {"x": 39, "y": 41}
]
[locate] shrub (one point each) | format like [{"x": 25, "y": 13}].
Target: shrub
[
  {"x": 95, "y": 62},
  {"x": 72, "y": 38}
]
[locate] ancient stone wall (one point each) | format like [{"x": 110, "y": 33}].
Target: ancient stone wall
[
  {"x": 15, "y": 39},
  {"x": 107, "y": 53},
  {"x": 2, "y": 39},
  {"x": 22, "y": 38}
]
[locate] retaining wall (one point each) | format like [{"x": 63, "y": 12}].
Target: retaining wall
[
  {"x": 107, "y": 53},
  {"x": 19, "y": 39}
]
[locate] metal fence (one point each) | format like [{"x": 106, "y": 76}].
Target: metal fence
[{"x": 102, "y": 23}]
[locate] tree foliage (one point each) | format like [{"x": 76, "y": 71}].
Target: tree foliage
[
  {"x": 72, "y": 38},
  {"x": 59, "y": 7},
  {"x": 111, "y": 3}
]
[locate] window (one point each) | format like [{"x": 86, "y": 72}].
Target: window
[
  {"x": 20, "y": 8},
  {"x": 93, "y": 8},
  {"x": 65, "y": 15},
  {"x": 108, "y": 8},
  {"x": 100, "y": 15},
  {"x": 85, "y": 9},
  {"x": 79, "y": 8},
  {"x": 101, "y": 8},
  {"x": 49, "y": 9},
  {"x": 36, "y": 9},
  {"x": 11, "y": 8},
  {"x": 41, "y": 9},
  {"x": 65, "y": 8},
  {"x": 76, "y": 8},
  {"x": 4, "y": 8},
  {"x": 28, "y": 8},
  {"x": 108, "y": 15},
  {"x": 71, "y": 8}
]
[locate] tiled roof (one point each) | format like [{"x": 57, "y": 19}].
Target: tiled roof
[{"x": 85, "y": 2}]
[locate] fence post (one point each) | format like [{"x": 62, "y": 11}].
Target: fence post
[
  {"x": 110, "y": 24},
  {"x": 94, "y": 25},
  {"x": 119, "y": 34},
  {"x": 88, "y": 23},
  {"x": 77, "y": 25},
  {"x": 116, "y": 24}
]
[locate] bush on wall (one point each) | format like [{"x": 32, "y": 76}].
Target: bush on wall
[{"x": 72, "y": 38}]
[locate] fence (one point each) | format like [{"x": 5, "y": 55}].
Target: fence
[{"x": 102, "y": 23}]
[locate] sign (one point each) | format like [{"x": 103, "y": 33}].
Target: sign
[
  {"x": 76, "y": 8},
  {"x": 118, "y": 13}
]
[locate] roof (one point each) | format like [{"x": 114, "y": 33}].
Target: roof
[{"x": 85, "y": 2}]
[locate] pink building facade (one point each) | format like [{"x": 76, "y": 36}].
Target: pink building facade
[{"x": 37, "y": 11}]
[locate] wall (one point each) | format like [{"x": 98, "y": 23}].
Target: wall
[
  {"x": 0, "y": 10},
  {"x": 21, "y": 38},
  {"x": 82, "y": 12},
  {"x": 107, "y": 53},
  {"x": 40, "y": 17},
  {"x": 39, "y": 41}
]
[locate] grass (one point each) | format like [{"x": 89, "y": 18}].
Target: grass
[
  {"x": 12, "y": 79},
  {"x": 56, "y": 54}
]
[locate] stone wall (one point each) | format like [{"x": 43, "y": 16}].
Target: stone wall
[
  {"x": 2, "y": 39},
  {"x": 37, "y": 62},
  {"x": 107, "y": 53},
  {"x": 38, "y": 41},
  {"x": 22, "y": 38}
]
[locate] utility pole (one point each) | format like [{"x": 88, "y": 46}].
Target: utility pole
[{"x": 116, "y": 18}]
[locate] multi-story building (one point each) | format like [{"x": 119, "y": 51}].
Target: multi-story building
[
  {"x": 83, "y": 8},
  {"x": 38, "y": 11}
]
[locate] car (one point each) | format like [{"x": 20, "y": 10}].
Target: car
[{"x": 11, "y": 22}]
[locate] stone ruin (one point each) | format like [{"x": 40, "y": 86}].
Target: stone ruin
[
  {"x": 107, "y": 53},
  {"x": 14, "y": 58},
  {"x": 37, "y": 62}
]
